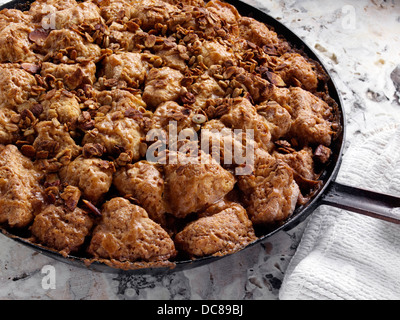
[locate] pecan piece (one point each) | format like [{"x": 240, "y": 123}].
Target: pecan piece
[
  {"x": 93, "y": 209},
  {"x": 27, "y": 114},
  {"x": 38, "y": 36},
  {"x": 124, "y": 158},
  {"x": 51, "y": 194},
  {"x": 28, "y": 151},
  {"x": 37, "y": 110},
  {"x": 133, "y": 114},
  {"x": 93, "y": 150},
  {"x": 322, "y": 154},
  {"x": 188, "y": 98},
  {"x": 48, "y": 146},
  {"x": 284, "y": 146},
  {"x": 85, "y": 121},
  {"x": 187, "y": 81},
  {"x": 150, "y": 41},
  {"x": 30, "y": 67},
  {"x": 273, "y": 78},
  {"x": 42, "y": 154},
  {"x": 71, "y": 196},
  {"x": 117, "y": 150}
]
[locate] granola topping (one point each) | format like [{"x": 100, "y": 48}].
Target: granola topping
[{"x": 92, "y": 88}]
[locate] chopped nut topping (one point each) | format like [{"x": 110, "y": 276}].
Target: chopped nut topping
[
  {"x": 79, "y": 97},
  {"x": 38, "y": 36},
  {"x": 93, "y": 209},
  {"x": 93, "y": 150}
]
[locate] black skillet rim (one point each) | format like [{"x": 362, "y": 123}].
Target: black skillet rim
[{"x": 298, "y": 216}]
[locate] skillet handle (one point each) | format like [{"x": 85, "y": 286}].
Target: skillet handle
[{"x": 372, "y": 204}]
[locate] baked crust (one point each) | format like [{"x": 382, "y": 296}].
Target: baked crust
[{"x": 82, "y": 84}]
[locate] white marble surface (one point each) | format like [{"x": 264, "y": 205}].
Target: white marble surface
[{"x": 359, "y": 43}]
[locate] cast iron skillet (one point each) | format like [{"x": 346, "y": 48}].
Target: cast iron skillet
[{"x": 331, "y": 193}]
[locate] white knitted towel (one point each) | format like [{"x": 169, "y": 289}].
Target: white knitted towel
[{"x": 344, "y": 255}]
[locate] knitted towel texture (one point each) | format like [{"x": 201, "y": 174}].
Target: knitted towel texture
[{"x": 344, "y": 255}]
